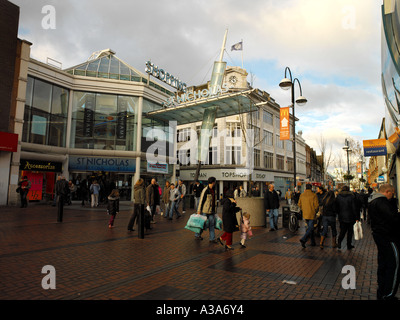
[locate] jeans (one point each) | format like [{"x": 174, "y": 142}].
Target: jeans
[
  {"x": 181, "y": 200},
  {"x": 273, "y": 218},
  {"x": 196, "y": 203},
  {"x": 167, "y": 207},
  {"x": 326, "y": 222},
  {"x": 309, "y": 232},
  {"x": 174, "y": 207},
  {"x": 211, "y": 226}
]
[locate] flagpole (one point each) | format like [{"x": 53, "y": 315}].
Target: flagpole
[{"x": 242, "y": 54}]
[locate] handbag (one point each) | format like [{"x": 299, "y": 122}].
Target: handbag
[{"x": 358, "y": 233}]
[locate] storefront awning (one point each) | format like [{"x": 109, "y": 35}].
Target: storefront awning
[{"x": 227, "y": 105}]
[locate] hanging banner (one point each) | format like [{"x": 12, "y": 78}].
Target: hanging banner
[
  {"x": 284, "y": 124},
  {"x": 376, "y": 147}
]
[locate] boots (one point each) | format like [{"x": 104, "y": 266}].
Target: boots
[
  {"x": 321, "y": 244},
  {"x": 334, "y": 244}
]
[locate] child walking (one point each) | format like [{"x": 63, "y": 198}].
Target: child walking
[
  {"x": 113, "y": 206},
  {"x": 245, "y": 229}
]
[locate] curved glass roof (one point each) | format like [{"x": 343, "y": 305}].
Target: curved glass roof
[{"x": 104, "y": 64}]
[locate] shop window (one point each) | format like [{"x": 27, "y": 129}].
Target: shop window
[
  {"x": 103, "y": 121},
  {"x": 45, "y": 115}
]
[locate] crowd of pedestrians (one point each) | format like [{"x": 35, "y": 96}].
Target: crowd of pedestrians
[{"x": 321, "y": 210}]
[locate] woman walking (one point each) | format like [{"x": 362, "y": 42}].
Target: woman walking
[
  {"x": 328, "y": 218},
  {"x": 138, "y": 204},
  {"x": 229, "y": 221},
  {"x": 113, "y": 206}
]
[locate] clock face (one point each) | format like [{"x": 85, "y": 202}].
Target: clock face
[{"x": 233, "y": 79}]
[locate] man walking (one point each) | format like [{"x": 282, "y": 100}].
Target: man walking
[
  {"x": 385, "y": 224},
  {"x": 197, "y": 189},
  {"x": 348, "y": 215},
  {"x": 271, "y": 204},
  {"x": 153, "y": 197},
  {"x": 208, "y": 207},
  {"x": 288, "y": 196},
  {"x": 62, "y": 191},
  {"x": 308, "y": 203},
  {"x": 182, "y": 191}
]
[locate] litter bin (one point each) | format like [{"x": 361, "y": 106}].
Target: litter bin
[{"x": 285, "y": 216}]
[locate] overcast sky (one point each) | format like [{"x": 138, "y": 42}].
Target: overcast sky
[{"x": 332, "y": 46}]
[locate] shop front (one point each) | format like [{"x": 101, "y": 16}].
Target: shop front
[
  {"x": 231, "y": 178},
  {"x": 42, "y": 175},
  {"x": 109, "y": 172}
]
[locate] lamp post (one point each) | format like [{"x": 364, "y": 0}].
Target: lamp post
[
  {"x": 285, "y": 84},
  {"x": 347, "y": 149}
]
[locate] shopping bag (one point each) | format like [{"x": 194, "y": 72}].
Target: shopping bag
[
  {"x": 218, "y": 222},
  {"x": 158, "y": 209},
  {"x": 194, "y": 229},
  {"x": 196, "y": 221},
  {"x": 358, "y": 233}
]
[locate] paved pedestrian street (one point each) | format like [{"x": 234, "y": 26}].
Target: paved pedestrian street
[{"x": 85, "y": 260}]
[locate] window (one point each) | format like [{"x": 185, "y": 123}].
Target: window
[
  {"x": 268, "y": 160},
  {"x": 278, "y": 142},
  {"x": 277, "y": 122},
  {"x": 233, "y": 129},
  {"x": 183, "y": 157},
  {"x": 257, "y": 157},
  {"x": 183, "y": 135},
  {"x": 280, "y": 162},
  {"x": 212, "y": 156},
  {"x": 268, "y": 138},
  {"x": 289, "y": 145},
  {"x": 45, "y": 115},
  {"x": 233, "y": 155},
  {"x": 267, "y": 117},
  {"x": 106, "y": 121},
  {"x": 290, "y": 164}
]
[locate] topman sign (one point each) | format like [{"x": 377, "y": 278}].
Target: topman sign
[{"x": 160, "y": 74}]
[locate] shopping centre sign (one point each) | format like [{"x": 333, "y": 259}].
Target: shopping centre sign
[
  {"x": 166, "y": 77},
  {"x": 195, "y": 95}
]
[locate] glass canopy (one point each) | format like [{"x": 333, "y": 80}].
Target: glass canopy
[{"x": 104, "y": 64}]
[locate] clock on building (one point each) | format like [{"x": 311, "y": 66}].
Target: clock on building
[{"x": 233, "y": 79}]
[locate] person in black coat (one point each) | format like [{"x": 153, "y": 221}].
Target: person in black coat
[
  {"x": 346, "y": 208},
  {"x": 385, "y": 225},
  {"x": 229, "y": 221},
  {"x": 113, "y": 206},
  {"x": 271, "y": 205}
]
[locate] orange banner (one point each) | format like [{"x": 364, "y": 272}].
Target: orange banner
[{"x": 284, "y": 124}]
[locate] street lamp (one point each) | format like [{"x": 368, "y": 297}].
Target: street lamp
[
  {"x": 286, "y": 84},
  {"x": 347, "y": 149}
]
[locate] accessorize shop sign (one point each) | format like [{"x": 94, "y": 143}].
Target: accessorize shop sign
[
  {"x": 36, "y": 165},
  {"x": 166, "y": 77},
  {"x": 102, "y": 164}
]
